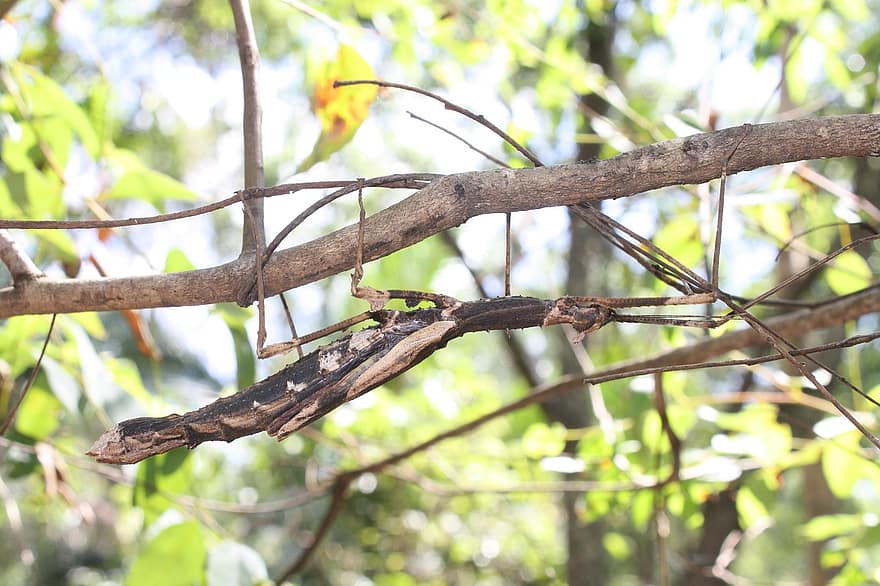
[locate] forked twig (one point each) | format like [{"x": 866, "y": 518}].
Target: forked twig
[
  {"x": 478, "y": 118},
  {"x": 404, "y": 181}
]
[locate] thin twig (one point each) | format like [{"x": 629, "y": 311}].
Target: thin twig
[
  {"x": 507, "y": 245},
  {"x": 402, "y": 181},
  {"x": 778, "y": 342},
  {"x": 795, "y": 237},
  {"x": 565, "y": 385},
  {"x": 414, "y": 181},
  {"x": 10, "y": 417},
  {"x": 477, "y": 150},
  {"x": 258, "y": 275},
  {"x": 716, "y": 253},
  {"x": 358, "y": 273},
  {"x": 518, "y": 353},
  {"x": 674, "y": 441},
  {"x": 289, "y": 315},
  {"x": 862, "y": 203},
  {"x": 344, "y": 479},
  {"x": 478, "y": 118},
  {"x": 252, "y": 118}
]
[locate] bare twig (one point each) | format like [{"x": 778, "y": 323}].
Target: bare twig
[
  {"x": 249, "y": 55},
  {"x": 477, "y": 150},
  {"x": 245, "y": 295},
  {"x": 402, "y": 181},
  {"x": 6, "y": 6},
  {"x": 10, "y": 417},
  {"x": 716, "y": 253},
  {"x": 674, "y": 441},
  {"x": 478, "y": 118}
]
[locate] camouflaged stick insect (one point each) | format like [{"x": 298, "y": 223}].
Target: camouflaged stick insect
[{"x": 330, "y": 376}]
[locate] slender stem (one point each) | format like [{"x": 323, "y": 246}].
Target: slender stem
[{"x": 249, "y": 55}]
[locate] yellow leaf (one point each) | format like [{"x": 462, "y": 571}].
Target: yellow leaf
[{"x": 339, "y": 110}]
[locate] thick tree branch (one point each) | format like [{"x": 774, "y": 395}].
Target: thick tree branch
[{"x": 452, "y": 200}]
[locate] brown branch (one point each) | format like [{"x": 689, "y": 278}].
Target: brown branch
[
  {"x": 452, "y": 200},
  {"x": 20, "y": 266},
  {"x": 249, "y": 56},
  {"x": 401, "y": 181}
]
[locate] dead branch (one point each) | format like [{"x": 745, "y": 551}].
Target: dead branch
[{"x": 452, "y": 200}]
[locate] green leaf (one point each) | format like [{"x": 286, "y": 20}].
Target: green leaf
[
  {"x": 150, "y": 186},
  {"x": 541, "y": 440},
  {"x": 177, "y": 262},
  {"x": 854, "y": 10},
  {"x": 98, "y": 106},
  {"x": 236, "y": 317},
  {"x": 843, "y": 465},
  {"x": 175, "y": 557},
  {"x": 63, "y": 385},
  {"x": 128, "y": 378},
  {"x": 680, "y": 237},
  {"x": 57, "y": 245},
  {"x": 159, "y": 477},
  {"x": 750, "y": 508},
  {"x": 234, "y": 564},
  {"x": 35, "y": 192},
  {"x": 848, "y": 273},
  {"x": 768, "y": 440},
  {"x": 828, "y": 526},
  {"x": 48, "y": 101},
  {"x": 38, "y": 414},
  {"x": 9, "y": 208},
  {"x": 617, "y": 545},
  {"x": 641, "y": 509}
]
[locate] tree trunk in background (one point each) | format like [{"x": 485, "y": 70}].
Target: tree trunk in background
[
  {"x": 587, "y": 256},
  {"x": 720, "y": 518}
]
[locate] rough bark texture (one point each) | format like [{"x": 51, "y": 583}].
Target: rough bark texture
[
  {"x": 452, "y": 200},
  {"x": 324, "y": 379}
]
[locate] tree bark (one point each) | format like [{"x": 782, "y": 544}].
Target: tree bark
[{"x": 452, "y": 200}]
